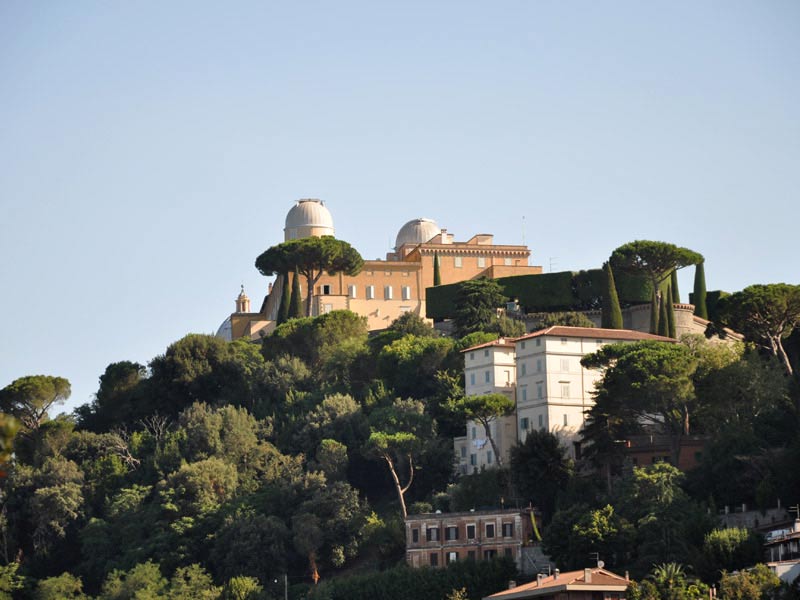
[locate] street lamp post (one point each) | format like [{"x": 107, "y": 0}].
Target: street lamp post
[{"x": 285, "y": 586}]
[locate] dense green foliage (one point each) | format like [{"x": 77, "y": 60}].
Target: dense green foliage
[
  {"x": 478, "y": 578},
  {"x": 567, "y": 319},
  {"x": 219, "y": 467},
  {"x": 311, "y": 257},
  {"x": 656, "y": 261},
  {"x": 765, "y": 314},
  {"x": 549, "y": 292},
  {"x": 612, "y": 313},
  {"x": 286, "y": 298},
  {"x": 29, "y": 398},
  {"x": 296, "y": 298},
  {"x": 699, "y": 295}
]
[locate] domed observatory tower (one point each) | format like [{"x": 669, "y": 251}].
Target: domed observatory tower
[
  {"x": 413, "y": 233},
  {"x": 308, "y": 218}
]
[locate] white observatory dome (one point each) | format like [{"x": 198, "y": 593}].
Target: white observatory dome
[
  {"x": 308, "y": 218},
  {"x": 416, "y": 231}
]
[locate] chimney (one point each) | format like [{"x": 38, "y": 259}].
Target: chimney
[
  {"x": 627, "y": 576},
  {"x": 587, "y": 576},
  {"x": 512, "y": 584},
  {"x": 539, "y": 578},
  {"x": 556, "y": 573}
]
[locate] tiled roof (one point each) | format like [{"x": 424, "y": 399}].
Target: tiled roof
[
  {"x": 595, "y": 332},
  {"x": 571, "y": 580},
  {"x": 500, "y": 342}
]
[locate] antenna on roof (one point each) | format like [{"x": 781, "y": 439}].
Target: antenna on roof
[
  {"x": 523, "y": 230},
  {"x": 553, "y": 261}
]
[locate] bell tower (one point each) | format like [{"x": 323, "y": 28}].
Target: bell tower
[{"x": 242, "y": 302}]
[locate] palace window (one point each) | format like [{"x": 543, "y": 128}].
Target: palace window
[
  {"x": 387, "y": 292},
  {"x": 370, "y": 292}
]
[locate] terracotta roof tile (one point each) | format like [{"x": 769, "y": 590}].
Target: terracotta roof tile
[
  {"x": 500, "y": 342},
  {"x": 595, "y": 332},
  {"x": 600, "y": 579}
]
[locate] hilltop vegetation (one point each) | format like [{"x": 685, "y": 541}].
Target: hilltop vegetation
[{"x": 220, "y": 467}]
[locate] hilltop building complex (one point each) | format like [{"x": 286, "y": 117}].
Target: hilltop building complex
[{"x": 384, "y": 289}]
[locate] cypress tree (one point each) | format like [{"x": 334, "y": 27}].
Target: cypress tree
[
  {"x": 699, "y": 297},
  {"x": 283, "y": 310},
  {"x": 670, "y": 312},
  {"x": 437, "y": 276},
  {"x": 296, "y": 303},
  {"x": 654, "y": 313},
  {"x": 612, "y": 313},
  {"x": 663, "y": 318},
  {"x": 676, "y": 295}
]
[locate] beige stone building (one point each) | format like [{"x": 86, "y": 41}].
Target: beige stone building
[
  {"x": 437, "y": 539},
  {"x": 384, "y": 289}
]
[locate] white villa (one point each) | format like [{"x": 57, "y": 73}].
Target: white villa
[{"x": 543, "y": 373}]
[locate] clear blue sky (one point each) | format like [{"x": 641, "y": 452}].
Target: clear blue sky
[{"x": 149, "y": 151}]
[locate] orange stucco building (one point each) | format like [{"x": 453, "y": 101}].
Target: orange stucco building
[{"x": 384, "y": 289}]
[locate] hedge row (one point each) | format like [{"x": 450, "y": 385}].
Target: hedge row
[
  {"x": 564, "y": 291},
  {"x": 480, "y": 578}
]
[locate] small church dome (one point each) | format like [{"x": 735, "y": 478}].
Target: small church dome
[
  {"x": 225, "y": 331},
  {"x": 308, "y": 217},
  {"x": 416, "y": 231}
]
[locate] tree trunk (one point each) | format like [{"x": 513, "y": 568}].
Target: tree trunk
[
  {"x": 781, "y": 353},
  {"x": 397, "y": 486},
  {"x": 497, "y": 456},
  {"x": 311, "y": 281}
]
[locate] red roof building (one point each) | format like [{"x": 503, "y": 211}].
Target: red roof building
[{"x": 588, "y": 584}]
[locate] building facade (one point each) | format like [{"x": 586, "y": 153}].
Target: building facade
[
  {"x": 488, "y": 368},
  {"x": 384, "y": 289},
  {"x": 437, "y": 539},
  {"x": 552, "y": 389}
]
